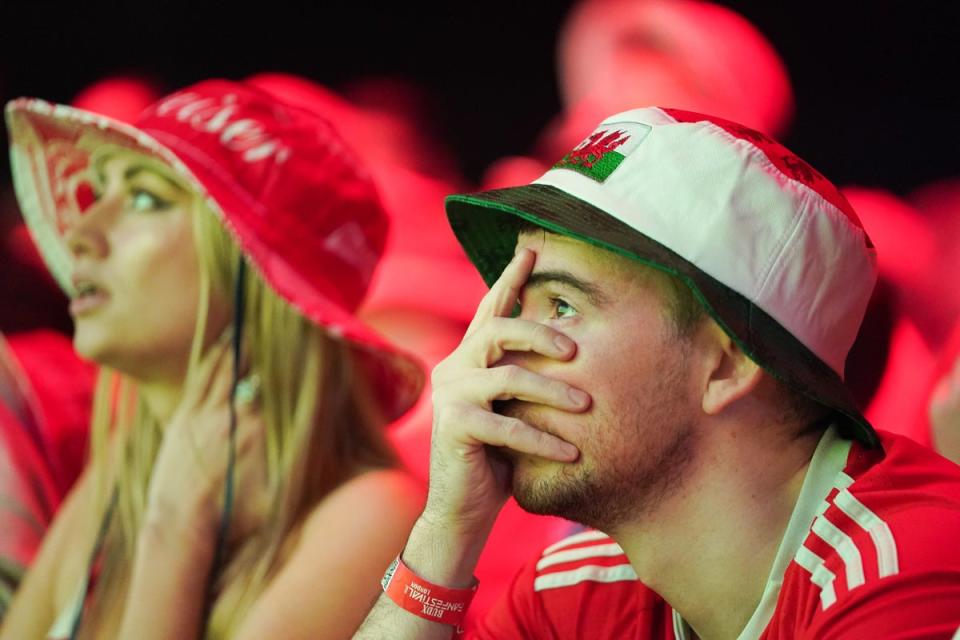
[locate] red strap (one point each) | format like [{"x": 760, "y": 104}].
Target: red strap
[{"x": 425, "y": 599}]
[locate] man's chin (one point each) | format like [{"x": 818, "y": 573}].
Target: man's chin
[
  {"x": 527, "y": 466},
  {"x": 543, "y": 486}
]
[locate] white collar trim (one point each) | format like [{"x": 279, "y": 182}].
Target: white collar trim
[{"x": 829, "y": 460}]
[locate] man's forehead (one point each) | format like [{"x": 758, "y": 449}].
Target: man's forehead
[
  {"x": 607, "y": 274},
  {"x": 555, "y": 250}
]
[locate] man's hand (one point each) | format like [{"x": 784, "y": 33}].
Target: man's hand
[{"x": 468, "y": 486}]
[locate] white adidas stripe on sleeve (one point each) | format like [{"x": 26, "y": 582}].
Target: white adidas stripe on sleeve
[
  {"x": 591, "y": 573},
  {"x": 878, "y": 530},
  {"x": 586, "y": 536},
  {"x": 569, "y": 555},
  {"x": 819, "y": 575},
  {"x": 845, "y": 548}
]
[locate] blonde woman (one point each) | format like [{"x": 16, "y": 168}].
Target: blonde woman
[{"x": 240, "y": 484}]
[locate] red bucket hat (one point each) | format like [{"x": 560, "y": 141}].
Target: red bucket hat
[{"x": 295, "y": 198}]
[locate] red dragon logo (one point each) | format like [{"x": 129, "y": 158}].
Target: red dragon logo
[{"x": 594, "y": 148}]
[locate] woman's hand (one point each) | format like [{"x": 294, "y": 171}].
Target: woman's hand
[
  {"x": 186, "y": 486},
  {"x": 175, "y": 549}
]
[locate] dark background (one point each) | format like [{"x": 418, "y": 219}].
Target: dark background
[{"x": 875, "y": 83}]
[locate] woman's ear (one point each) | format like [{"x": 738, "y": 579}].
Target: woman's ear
[{"x": 729, "y": 373}]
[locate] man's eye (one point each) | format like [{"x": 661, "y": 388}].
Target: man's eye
[
  {"x": 143, "y": 200},
  {"x": 562, "y": 308}
]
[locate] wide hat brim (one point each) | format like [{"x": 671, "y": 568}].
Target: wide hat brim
[
  {"x": 487, "y": 225},
  {"x": 44, "y": 149}
]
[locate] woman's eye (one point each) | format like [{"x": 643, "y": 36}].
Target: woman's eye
[
  {"x": 562, "y": 308},
  {"x": 145, "y": 201}
]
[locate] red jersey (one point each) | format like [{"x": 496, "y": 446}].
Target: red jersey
[{"x": 872, "y": 550}]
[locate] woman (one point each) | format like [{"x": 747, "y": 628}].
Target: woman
[{"x": 239, "y": 484}]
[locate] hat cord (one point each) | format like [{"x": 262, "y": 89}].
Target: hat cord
[
  {"x": 94, "y": 554},
  {"x": 239, "y": 297}
]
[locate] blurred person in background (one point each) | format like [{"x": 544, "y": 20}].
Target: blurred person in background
[
  {"x": 241, "y": 483},
  {"x": 45, "y": 397},
  {"x": 893, "y": 360},
  {"x": 938, "y": 312},
  {"x": 934, "y": 303},
  {"x": 917, "y": 239},
  {"x": 943, "y": 400},
  {"x": 615, "y": 54},
  {"x": 405, "y": 118}
]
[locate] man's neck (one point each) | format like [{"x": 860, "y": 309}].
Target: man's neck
[{"x": 708, "y": 549}]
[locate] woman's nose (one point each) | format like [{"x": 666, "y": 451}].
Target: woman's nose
[{"x": 86, "y": 234}]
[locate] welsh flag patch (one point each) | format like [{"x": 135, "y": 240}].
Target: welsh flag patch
[{"x": 602, "y": 152}]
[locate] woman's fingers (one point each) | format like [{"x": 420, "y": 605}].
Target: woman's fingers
[{"x": 199, "y": 383}]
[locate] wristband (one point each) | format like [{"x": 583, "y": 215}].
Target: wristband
[{"x": 425, "y": 599}]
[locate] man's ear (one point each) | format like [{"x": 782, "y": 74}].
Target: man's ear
[{"x": 729, "y": 374}]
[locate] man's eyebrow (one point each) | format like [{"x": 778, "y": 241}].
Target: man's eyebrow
[{"x": 592, "y": 292}]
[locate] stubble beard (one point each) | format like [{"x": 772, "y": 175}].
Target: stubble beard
[{"x": 641, "y": 461}]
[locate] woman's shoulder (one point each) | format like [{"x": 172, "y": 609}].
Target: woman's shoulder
[
  {"x": 388, "y": 494},
  {"x": 71, "y": 538},
  {"x": 347, "y": 540},
  {"x": 56, "y": 574}
]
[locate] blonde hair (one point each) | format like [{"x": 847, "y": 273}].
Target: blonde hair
[{"x": 321, "y": 428}]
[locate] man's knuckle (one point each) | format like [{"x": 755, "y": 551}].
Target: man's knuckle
[
  {"x": 510, "y": 428},
  {"x": 510, "y": 374},
  {"x": 543, "y": 333}
]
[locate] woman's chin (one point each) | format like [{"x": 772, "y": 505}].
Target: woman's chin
[{"x": 89, "y": 345}]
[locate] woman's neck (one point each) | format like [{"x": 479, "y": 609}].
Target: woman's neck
[{"x": 160, "y": 398}]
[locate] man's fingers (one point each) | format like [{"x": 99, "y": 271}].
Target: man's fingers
[
  {"x": 512, "y": 382},
  {"x": 511, "y": 281},
  {"x": 500, "y": 335},
  {"x": 501, "y": 431},
  {"x": 503, "y": 295},
  {"x": 490, "y": 342}
]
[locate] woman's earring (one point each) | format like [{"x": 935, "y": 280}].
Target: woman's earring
[{"x": 248, "y": 389}]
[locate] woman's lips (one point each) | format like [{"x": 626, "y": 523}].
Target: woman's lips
[{"x": 88, "y": 302}]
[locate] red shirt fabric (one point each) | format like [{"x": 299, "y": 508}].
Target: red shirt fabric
[
  {"x": 872, "y": 551},
  {"x": 60, "y": 387}
]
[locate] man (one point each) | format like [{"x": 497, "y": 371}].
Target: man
[{"x": 662, "y": 361}]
